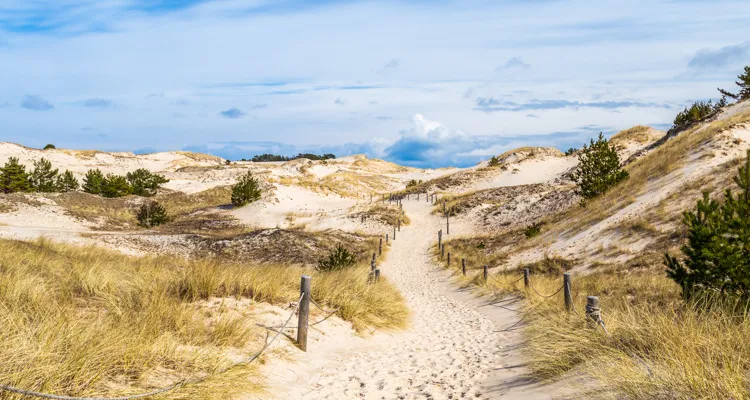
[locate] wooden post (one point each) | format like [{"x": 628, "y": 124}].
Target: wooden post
[
  {"x": 373, "y": 257},
  {"x": 442, "y": 250},
  {"x": 443, "y": 206},
  {"x": 304, "y": 312},
  {"x": 377, "y": 274},
  {"x": 440, "y": 238},
  {"x": 567, "y": 291},
  {"x": 593, "y": 312},
  {"x": 486, "y": 273},
  {"x": 394, "y": 232},
  {"x": 449, "y": 259},
  {"x": 463, "y": 266},
  {"x": 372, "y": 265},
  {"x": 417, "y": 196},
  {"x": 447, "y": 224},
  {"x": 386, "y": 238},
  {"x": 526, "y": 279},
  {"x": 399, "y": 224}
]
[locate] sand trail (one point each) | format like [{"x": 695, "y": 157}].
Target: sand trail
[{"x": 453, "y": 349}]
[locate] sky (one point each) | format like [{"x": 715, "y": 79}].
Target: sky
[{"x": 421, "y": 83}]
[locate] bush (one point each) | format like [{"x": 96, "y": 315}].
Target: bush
[
  {"x": 144, "y": 183},
  {"x": 49, "y": 146},
  {"x": 115, "y": 186},
  {"x": 743, "y": 81},
  {"x": 532, "y": 230},
  {"x": 338, "y": 259},
  {"x": 494, "y": 162},
  {"x": 698, "y": 111},
  {"x": 43, "y": 178},
  {"x": 413, "y": 183},
  {"x": 93, "y": 181},
  {"x": 67, "y": 182},
  {"x": 598, "y": 169},
  {"x": 570, "y": 151},
  {"x": 716, "y": 255},
  {"x": 152, "y": 214},
  {"x": 13, "y": 177},
  {"x": 246, "y": 190}
]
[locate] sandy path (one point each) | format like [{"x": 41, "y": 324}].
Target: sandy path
[{"x": 453, "y": 349}]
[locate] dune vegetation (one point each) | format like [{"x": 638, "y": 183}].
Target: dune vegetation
[{"x": 84, "y": 321}]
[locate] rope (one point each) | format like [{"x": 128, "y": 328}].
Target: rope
[
  {"x": 329, "y": 312},
  {"x": 164, "y": 389},
  {"x": 321, "y": 308},
  {"x": 546, "y": 297}
]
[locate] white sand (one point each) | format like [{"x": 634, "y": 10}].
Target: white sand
[{"x": 451, "y": 350}]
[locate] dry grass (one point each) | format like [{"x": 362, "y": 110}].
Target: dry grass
[
  {"x": 639, "y": 134},
  {"x": 382, "y": 213},
  {"x": 108, "y": 214},
  {"x": 84, "y": 321}
]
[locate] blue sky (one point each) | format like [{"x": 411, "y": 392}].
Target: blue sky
[{"x": 424, "y": 83}]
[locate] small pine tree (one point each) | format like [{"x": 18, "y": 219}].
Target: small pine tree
[
  {"x": 49, "y": 146},
  {"x": 144, "y": 183},
  {"x": 246, "y": 190},
  {"x": 115, "y": 186},
  {"x": 43, "y": 178},
  {"x": 337, "y": 260},
  {"x": 67, "y": 182},
  {"x": 744, "y": 83},
  {"x": 93, "y": 181},
  {"x": 494, "y": 162},
  {"x": 13, "y": 177},
  {"x": 598, "y": 169},
  {"x": 717, "y": 258},
  {"x": 152, "y": 214}
]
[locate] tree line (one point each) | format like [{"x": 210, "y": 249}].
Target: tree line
[{"x": 276, "y": 157}]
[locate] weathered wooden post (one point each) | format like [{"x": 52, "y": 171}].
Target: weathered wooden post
[
  {"x": 486, "y": 273},
  {"x": 449, "y": 259},
  {"x": 417, "y": 196},
  {"x": 440, "y": 238},
  {"x": 394, "y": 232},
  {"x": 373, "y": 257},
  {"x": 372, "y": 265},
  {"x": 443, "y": 207},
  {"x": 567, "y": 291},
  {"x": 442, "y": 250},
  {"x": 593, "y": 312},
  {"x": 447, "y": 224},
  {"x": 377, "y": 274},
  {"x": 380, "y": 247},
  {"x": 386, "y": 238},
  {"x": 526, "y": 278},
  {"x": 399, "y": 224},
  {"x": 304, "y": 312},
  {"x": 463, "y": 266}
]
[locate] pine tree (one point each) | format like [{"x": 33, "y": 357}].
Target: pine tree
[
  {"x": 144, "y": 183},
  {"x": 13, "y": 177},
  {"x": 598, "y": 169},
  {"x": 717, "y": 255},
  {"x": 43, "y": 178},
  {"x": 494, "y": 162},
  {"x": 115, "y": 186},
  {"x": 152, "y": 214},
  {"x": 92, "y": 182},
  {"x": 67, "y": 182},
  {"x": 246, "y": 190},
  {"x": 744, "y": 83}
]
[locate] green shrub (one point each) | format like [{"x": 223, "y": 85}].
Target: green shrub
[
  {"x": 494, "y": 162},
  {"x": 115, "y": 186},
  {"x": 43, "y": 178},
  {"x": 598, "y": 169},
  {"x": 570, "y": 151},
  {"x": 152, "y": 214},
  {"x": 717, "y": 254},
  {"x": 67, "y": 182},
  {"x": 144, "y": 183},
  {"x": 743, "y": 81},
  {"x": 338, "y": 259},
  {"x": 246, "y": 190},
  {"x": 413, "y": 183},
  {"x": 49, "y": 146},
  {"x": 698, "y": 111},
  {"x": 93, "y": 181},
  {"x": 13, "y": 177},
  {"x": 532, "y": 230}
]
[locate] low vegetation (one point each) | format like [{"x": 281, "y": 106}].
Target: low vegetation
[
  {"x": 83, "y": 321},
  {"x": 246, "y": 190},
  {"x": 337, "y": 260},
  {"x": 152, "y": 214}
]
